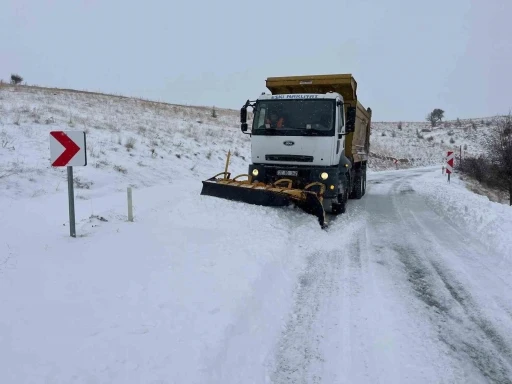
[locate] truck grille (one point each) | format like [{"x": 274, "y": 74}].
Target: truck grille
[{"x": 303, "y": 159}]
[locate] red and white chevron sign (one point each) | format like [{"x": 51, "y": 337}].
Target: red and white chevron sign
[
  {"x": 67, "y": 148},
  {"x": 449, "y": 162}
]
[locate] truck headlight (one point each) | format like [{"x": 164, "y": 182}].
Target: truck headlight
[
  {"x": 255, "y": 172},
  {"x": 324, "y": 175}
]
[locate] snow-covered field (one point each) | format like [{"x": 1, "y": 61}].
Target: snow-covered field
[
  {"x": 412, "y": 285},
  {"x": 129, "y": 142}
]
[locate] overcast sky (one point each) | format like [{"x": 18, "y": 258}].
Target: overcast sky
[{"x": 408, "y": 57}]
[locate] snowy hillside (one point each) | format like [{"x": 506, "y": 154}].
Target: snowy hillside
[
  {"x": 419, "y": 144},
  {"x": 129, "y": 141},
  {"x": 142, "y": 143}
]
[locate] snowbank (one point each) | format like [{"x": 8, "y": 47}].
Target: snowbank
[{"x": 491, "y": 221}]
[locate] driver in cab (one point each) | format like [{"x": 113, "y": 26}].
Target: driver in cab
[{"x": 275, "y": 121}]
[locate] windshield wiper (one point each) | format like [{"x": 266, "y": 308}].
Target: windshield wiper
[{"x": 312, "y": 131}]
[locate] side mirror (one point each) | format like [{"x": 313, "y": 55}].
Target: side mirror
[
  {"x": 243, "y": 115},
  {"x": 243, "y": 119}
]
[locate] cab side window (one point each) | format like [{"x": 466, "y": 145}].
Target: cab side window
[{"x": 341, "y": 120}]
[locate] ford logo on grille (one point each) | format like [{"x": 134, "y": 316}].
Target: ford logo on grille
[{"x": 289, "y": 143}]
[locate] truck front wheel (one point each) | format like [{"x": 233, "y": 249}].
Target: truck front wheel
[{"x": 341, "y": 205}]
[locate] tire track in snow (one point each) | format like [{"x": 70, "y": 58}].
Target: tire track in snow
[
  {"x": 330, "y": 336},
  {"x": 460, "y": 323},
  {"x": 299, "y": 346},
  {"x": 468, "y": 334}
]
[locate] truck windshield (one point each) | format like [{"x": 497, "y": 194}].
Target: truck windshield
[{"x": 294, "y": 117}]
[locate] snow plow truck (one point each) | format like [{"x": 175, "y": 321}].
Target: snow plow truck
[{"x": 310, "y": 141}]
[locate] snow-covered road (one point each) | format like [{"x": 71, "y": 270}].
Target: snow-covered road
[
  {"x": 406, "y": 298},
  {"x": 412, "y": 285}
]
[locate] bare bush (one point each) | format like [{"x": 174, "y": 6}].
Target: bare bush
[
  {"x": 130, "y": 143},
  {"x": 500, "y": 151},
  {"x": 16, "y": 79},
  {"x": 80, "y": 184},
  {"x": 495, "y": 168},
  {"x": 35, "y": 116},
  {"x": 430, "y": 138},
  {"x": 141, "y": 130},
  {"x": 5, "y": 141},
  {"x": 452, "y": 140},
  {"x": 120, "y": 169}
]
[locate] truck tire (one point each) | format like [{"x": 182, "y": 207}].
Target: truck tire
[
  {"x": 341, "y": 205},
  {"x": 364, "y": 182},
  {"x": 357, "y": 193}
]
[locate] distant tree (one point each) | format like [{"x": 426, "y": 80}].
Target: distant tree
[
  {"x": 500, "y": 152},
  {"x": 16, "y": 79},
  {"x": 458, "y": 123},
  {"x": 438, "y": 114},
  {"x": 399, "y": 126},
  {"x": 214, "y": 112},
  {"x": 431, "y": 119}
]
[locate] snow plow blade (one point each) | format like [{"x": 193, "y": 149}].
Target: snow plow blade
[{"x": 271, "y": 195}]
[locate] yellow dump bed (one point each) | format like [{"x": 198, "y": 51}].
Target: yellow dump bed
[{"x": 358, "y": 142}]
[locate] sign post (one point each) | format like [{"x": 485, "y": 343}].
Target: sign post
[
  {"x": 68, "y": 149},
  {"x": 449, "y": 163}
]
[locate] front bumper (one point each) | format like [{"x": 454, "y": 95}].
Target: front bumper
[{"x": 305, "y": 175}]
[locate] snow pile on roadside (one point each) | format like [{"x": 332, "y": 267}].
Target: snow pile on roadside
[
  {"x": 186, "y": 292},
  {"x": 491, "y": 221}
]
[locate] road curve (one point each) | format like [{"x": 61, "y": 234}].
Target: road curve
[{"x": 406, "y": 298}]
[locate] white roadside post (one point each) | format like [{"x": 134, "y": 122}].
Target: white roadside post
[
  {"x": 68, "y": 149},
  {"x": 130, "y": 204}
]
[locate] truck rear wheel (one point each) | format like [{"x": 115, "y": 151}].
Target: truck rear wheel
[
  {"x": 357, "y": 193},
  {"x": 364, "y": 182}
]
